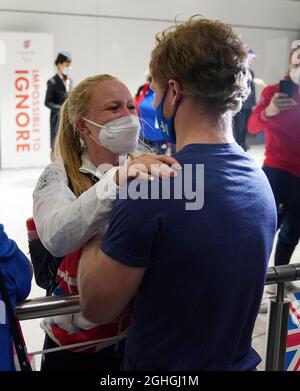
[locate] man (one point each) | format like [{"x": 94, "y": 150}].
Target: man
[
  {"x": 193, "y": 272},
  {"x": 58, "y": 88},
  {"x": 278, "y": 115}
]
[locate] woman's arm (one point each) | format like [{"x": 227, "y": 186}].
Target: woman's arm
[{"x": 64, "y": 223}]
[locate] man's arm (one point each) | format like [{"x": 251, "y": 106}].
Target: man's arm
[
  {"x": 109, "y": 277},
  {"x": 106, "y": 286}
]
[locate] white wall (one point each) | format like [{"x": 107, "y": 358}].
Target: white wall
[{"x": 116, "y": 36}]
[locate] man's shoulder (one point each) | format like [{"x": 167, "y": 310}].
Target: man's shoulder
[
  {"x": 160, "y": 197},
  {"x": 54, "y": 80},
  {"x": 139, "y": 195}
]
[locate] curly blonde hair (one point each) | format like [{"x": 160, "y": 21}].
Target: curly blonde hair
[{"x": 207, "y": 58}]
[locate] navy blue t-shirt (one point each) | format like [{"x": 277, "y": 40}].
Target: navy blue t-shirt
[{"x": 205, "y": 269}]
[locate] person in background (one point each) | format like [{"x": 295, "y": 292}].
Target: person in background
[
  {"x": 240, "y": 120},
  {"x": 150, "y": 136},
  {"x": 194, "y": 273},
  {"x": 278, "y": 114},
  {"x": 58, "y": 89},
  {"x": 17, "y": 273},
  {"x": 72, "y": 201}
]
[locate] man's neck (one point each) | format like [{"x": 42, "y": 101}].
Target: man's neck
[
  {"x": 193, "y": 126},
  {"x": 62, "y": 76}
]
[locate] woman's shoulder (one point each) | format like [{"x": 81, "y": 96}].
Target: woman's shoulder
[{"x": 55, "y": 172}]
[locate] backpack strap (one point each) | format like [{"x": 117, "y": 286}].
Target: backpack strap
[{"x": 15, "y": 328}]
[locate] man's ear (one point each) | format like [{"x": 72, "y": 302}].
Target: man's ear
[{"x": 175, "y": 91}]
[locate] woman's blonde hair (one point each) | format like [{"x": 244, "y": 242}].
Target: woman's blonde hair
[{"x": 68, "y": 143}]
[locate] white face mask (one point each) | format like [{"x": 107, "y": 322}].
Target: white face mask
[
  {"x": 295, "y": 75},
  {"x": 120, "y": 136},
  {"x": 66, "y": 71}
]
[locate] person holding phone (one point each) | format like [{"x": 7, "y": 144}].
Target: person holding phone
[{"x": 278, "y": 114}]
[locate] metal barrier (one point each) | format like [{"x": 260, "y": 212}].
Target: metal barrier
[
  {"x": 43, "y": 307},
  {"x": 278, "y": 315},
  {"x": 278, "y": 312}
]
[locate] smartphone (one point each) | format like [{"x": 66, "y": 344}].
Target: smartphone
[{"x": 286, "y": 86}]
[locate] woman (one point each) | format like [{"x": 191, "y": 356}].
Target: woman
[{"x": 73, "y": 200}]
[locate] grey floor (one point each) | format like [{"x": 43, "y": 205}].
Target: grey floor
[{"x": 16, "y": 206}]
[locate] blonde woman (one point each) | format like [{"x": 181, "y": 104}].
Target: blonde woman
[{"x": 72, "y": 202}]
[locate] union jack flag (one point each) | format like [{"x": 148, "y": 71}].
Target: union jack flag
[{"x": 292, "y": 359}]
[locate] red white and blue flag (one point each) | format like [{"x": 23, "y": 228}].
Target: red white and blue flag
[{"x": 292, "y": 359}]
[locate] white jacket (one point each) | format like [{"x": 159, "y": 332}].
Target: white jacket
[{"x": 64, "y": 223}]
